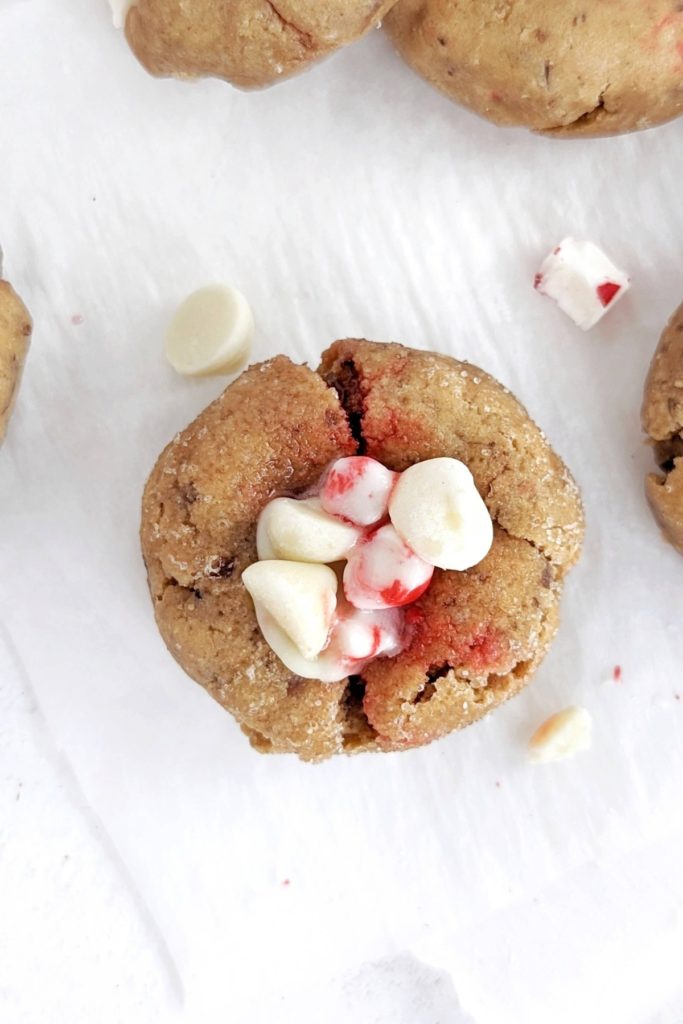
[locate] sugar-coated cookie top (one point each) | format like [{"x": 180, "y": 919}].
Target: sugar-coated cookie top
[{"x": 475, "y": 636}]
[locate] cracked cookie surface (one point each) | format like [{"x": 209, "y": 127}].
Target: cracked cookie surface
[
  {"x": 15, "y": 335},
  {"x": 475, "y": 637},
  {"x": 662, "y": 419},
  {"x": 567, "y": 68},
  {"x": 250, "y": 43}
]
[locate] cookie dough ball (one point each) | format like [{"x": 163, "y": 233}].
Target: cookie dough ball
[
  {"x": 475, "y": 637},
  {"x": 566, "y": 67},
  {"x": 662, "y": 418},
  {"x": 248, "y": 42},
  {"x": 15, "y": 334}
]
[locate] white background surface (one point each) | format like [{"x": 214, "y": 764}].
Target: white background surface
[{"x": 144, "y": 848}]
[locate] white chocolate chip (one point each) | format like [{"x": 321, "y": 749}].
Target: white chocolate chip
[
  {"x": 562, "y": 735},
  {"x": 299, "y": 530},
  {"x": 582, "y": 280},
  {"x": 319, "y": 667},
  {"x": 301, "y": 599},
  {"x": 439, "y": 513},
  {"x": 211, "y": 332}
]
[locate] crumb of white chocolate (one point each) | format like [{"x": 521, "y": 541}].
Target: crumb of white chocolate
[{"x": 561, "y": 736}]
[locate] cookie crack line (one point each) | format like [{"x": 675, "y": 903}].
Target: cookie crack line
[
  {"x": 348, "y": 386},
  {"x": 304, "y": 37},
  {"x": 354, "y": 720},
  {"x": 585, "y": 120},
  {"x": 511, "y": 681},
  {"x": 532, "y": 543}
]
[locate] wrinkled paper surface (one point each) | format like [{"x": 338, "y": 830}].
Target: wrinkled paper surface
[{"x": 457, "y": 882}]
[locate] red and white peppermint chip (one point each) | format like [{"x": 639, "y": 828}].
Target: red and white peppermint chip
[
  {"x": 383, "y": 572},
  {"x": 357, "y": 489},
  {"x": 582, "y": 280},
  {"x": 359, "y": 636}
]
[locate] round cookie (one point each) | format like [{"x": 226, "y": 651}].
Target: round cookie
[
  {"x": 250, "y": 43},
  {"x": 662, "y": 419},
  {"x": 564, "y": 67},
  {"x": 15, "y": 334},
  {"x": 475, "y": 636}
]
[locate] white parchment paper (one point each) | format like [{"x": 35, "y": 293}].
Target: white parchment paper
[{"x": 453, "y": 883}]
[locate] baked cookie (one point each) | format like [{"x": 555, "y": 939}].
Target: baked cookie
[
  {"x": 475, "y": 637},
  {"x": 564, "y": 67},
  {"x": 250, "y": 43},
  {"x": 662, "y": 419},
  {"x": 15, "y": 334}
]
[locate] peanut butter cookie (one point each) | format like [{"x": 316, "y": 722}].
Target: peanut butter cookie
[
  {"x": 565, "y": 67},
  {"x": 250, "y": 43},
  {"x": 662, "y": 418},
  {"x": 474, "y": 637}
]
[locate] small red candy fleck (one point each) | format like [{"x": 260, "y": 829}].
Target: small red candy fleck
[
  {"x": 396, "y": 595},
  {"x": 607, "y": 291},
  {"x": 376, "y": 640},
  {"x": 556, "y": 250},
  {"x": 286, "y": 882},
  {"x": 537, "y": 280},
  {"x": 616, "y": 674},
  {"x": 77, "y": 319}
]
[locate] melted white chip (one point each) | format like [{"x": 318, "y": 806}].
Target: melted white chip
[
  {"x": 300, "y": 598},
  {"x": 211, "y": 332},
  {"x": 300, "y": 531}
]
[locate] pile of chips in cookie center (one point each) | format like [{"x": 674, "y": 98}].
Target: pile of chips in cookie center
[{"x": 337, "y": 568}]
